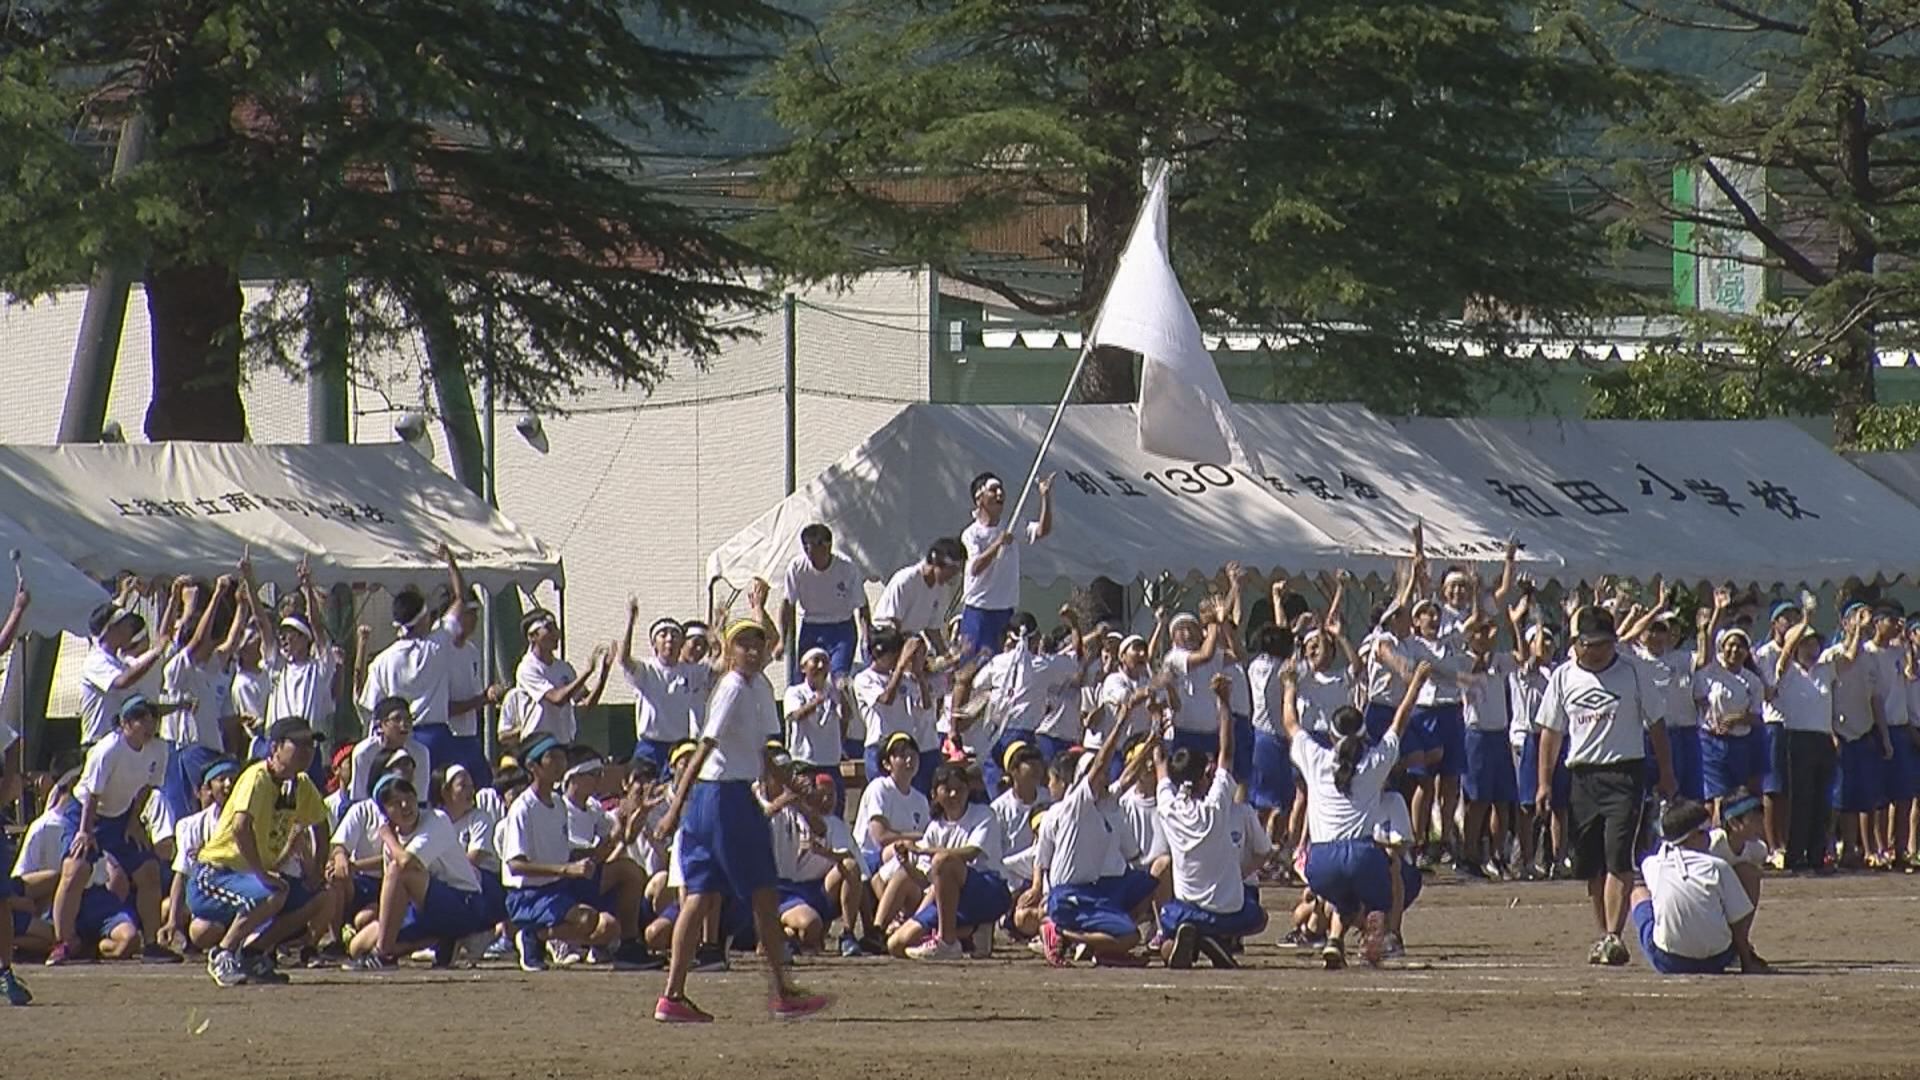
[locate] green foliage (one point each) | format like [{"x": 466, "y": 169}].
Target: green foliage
[
  {"x": 447, "y": 157},
  {"x": 1362, "y": 170}
]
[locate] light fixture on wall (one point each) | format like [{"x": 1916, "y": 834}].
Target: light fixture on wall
[
  {"x": 532, "y": 430},
  {"x": 412, "y": 429},
  {"x": 112, "y": 432}
]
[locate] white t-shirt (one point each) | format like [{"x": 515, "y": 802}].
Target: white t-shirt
[
  {"x": 909, "y": 603},
  {"x": 1193, "y": 682},
  {"x": 476, "y": 837},
  {"x": 99, "y": 701},
  {"x": 467, "y": 681},
  {"x": 1696, "y": 900},
  {"x": 1766, "y": 660},
  {"x": 1116, "y": 689},
  {"x": 249, "y": 692},
  {"x": 1723, "y": 694},
  {"x": 587, "y": 825},
  {"x": 1027, "y": 686},
  {"x": 368, "y": 753},
  {"x": 1320, "y": 694},
  {"x": 1720, "y": 846},
  {"x": 1334, "y": 816},
  {"x": 115, "y": 773},
  {"x": 190, "y": 834},
  {"x": 536, "y": 831},
  {"x": 1671, "y": 674},
  {"x": 740, "y": 720},
  {"x": 1384, "y": 685},
  {"x": 1888, "y": 665},
  {"x": 814, "y": 740},
  {"x": 1393, "y": 825},
  {"x": 1205, "y": 834},
  {"x": 420, "y": 670},
  {"x": 1255, "y": 845},
  {"x": 881, "y": 719},
  {"x": 1803, "y": 698},
  {"x": 835, "y": 835},
  {"x": 183, "y": 680},
  {"x": 662, "y": 710},
  {"x": 42, "y": 848},
  {"x": 824, "y": 596},
  {"x": 977, "y": 827},
  {"x": 437, "y": 844},
  {"x": 1016, "y": 818},
  {"x": 303, "y": 688},
  {"x": 1077, "y": 844},
  {"x": 1604, "y": 714},
  {"x": 999, "y": 588},
  {"x": 1142, "y": 837},
  {"x": 906, "y": 811},
  {"x": 539, "y": 678},
  {"x": 358, "y": 833},
  {"x": 1448, "y": 655},
  {"x": 1852, "y": 694},
  {"x": 1269, "y": 695},
  {"x": 1486, "y": 704}
]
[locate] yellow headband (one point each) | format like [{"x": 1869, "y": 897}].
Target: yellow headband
[
  {"x": 1006, "y": 759},
  {"x": 740, "y": 626}
]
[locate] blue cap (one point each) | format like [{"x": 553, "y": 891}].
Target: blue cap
[
  {"x": 1782, "y": 608},
  {"x": 137, "y": 703}
]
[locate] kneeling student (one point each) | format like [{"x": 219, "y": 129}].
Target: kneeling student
[
  {"x": 542, "y": 878},
  {"x": 966, "y": 876},
  {"x": 1692, "y": 914},
  {"x": 429, "y": 893},
  {"x": 1203, "y": 826}
]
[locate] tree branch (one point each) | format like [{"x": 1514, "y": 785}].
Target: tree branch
[
  {"x": 1802, "y": 266},
  {"x": 1073, "y": 305}
]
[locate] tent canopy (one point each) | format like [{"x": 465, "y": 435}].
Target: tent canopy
[
  {"x": 63, "y": 597},
  {"x": 372, "y": 514},
  {"x": 1757, "y": 501}
]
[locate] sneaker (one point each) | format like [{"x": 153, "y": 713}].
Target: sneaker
[
  {"x": 63, "y": 954},
  {"x": 1119, "y": 960},
  {"x": 1051, "y": 946},
  {"x": 850, "y": 946},
  {"x": 1394, "y": 948},
  {"x": 679, "y": 1011},
  {"x": 1217, "y": 953},
  {"x": 1333, "y": 956},
  {"x": 370, "y": 962},
  {"x": 710, "y": 958},
  {"x": 425, "y": 956},
  {"x": 500, "y": 948},
  {"x": 1598, "y": 954},
  {"x": 1296, "y": 938},
  {"x": 936, "y": 948},
  {"x": 261, "y": 968},
  {"x": 983, "y": 942},
  {"x": 1616, "y": 951},
  {"x": 797, "y": 1004},
  {"x": 159, "y": 954},
  {"x": 597, "y": 957},
  {"x": 634, "y": 956},
  {"x": 1186, "y": 942},
  {"x": 225, "y": 968},
  {"x": 563, "y": 954},
  {"x": 13, "y": 989},
  {"x": 1777, "y": 861},
  {"x": 533, "y": 957}
]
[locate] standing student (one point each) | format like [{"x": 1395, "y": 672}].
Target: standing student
[
  {"x": 393, "y": 733},
  {"x": 108, "y": 676},
  {"x": 429, "y": 893},
  {"x": 885, "y": 694},
  {"x": 916, "y": 596},
  {"x": 306, "y": 677},
  {"x": 121, "y": 772},
  {"x": 662, "y": 687},
  {"x": 271, "y": 803},
  {"x": 991, "y": 589},
  {"x": 1211, "y": 906},
  {"x": 1692, "y": 915},
  {"x": 826, "y": 592},
  {"x": 1729, "y": 696},
  {"x": 419, "y": 665},
  {"x": 1197, "y": 654},
  {"x": 1529, "y": 686},
  {"x": 966, "y": 877},
  {"x": 1766, "y": 660},
  {"x": 1671, "y": 670},
  {"x": 1027, "y": 683},
  {"x": 1491, "y": 787},
  {"x": 556, "y": 688},
  {"x": 196, "y": 677},
  {"x": 1802, "y": 696},
  {"x": 1439, "y": 727},
  {"x": 1602, "y": 707},
  {"x": 1345, "y": 778},
  {"x": 726, "y": 846},
  {"x": 1860, "y": 739},
  {"x": 538, "y": 868},
  {"x": 816, "y": 721},
  {"x": 1886, "y": 655},
  {"x": 468, "y": 692}
]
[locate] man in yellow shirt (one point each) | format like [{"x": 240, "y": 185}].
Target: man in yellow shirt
[{"x": 236, "y": 883}]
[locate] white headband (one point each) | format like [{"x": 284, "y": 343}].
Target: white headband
[{"x": 591, "y": 765}]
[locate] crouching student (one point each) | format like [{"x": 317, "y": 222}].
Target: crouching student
[
  {"x": 537, "y": 866},
  {"x": 618, "y": 885},
  {"x": 105, "y": 927},
  {"x": 190, "y": 834},
  {"x": 965, "y": 873},
  {"x": 891, "y": 818},
  {"x": 1093, "y": 899},
  {"x": 356, "y": 860},
  {"x": 429, "y": 892},
  {"x": 1739, "y": 841},
  {"x": 1692, "y": 915},
  {"x": 1204, "y": 827},
  {"x": 233, "y": 886}
]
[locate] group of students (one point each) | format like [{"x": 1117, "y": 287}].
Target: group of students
[{"x": 1088, "y": 791}]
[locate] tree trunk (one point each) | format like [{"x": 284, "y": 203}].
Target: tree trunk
[
  {"x": 1855, "y": 256},
  {"x": 195, "y": 311},
  {"x": 1113, "y": 200}
]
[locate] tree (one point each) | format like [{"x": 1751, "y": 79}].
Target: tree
[
  {"x": 1811, "y": 167},
  {"x": 446, "y": 162},
  {"x": 1364, "y": 173}
]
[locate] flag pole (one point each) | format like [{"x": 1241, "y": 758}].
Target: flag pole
[{"x": 1053, "y": 426}]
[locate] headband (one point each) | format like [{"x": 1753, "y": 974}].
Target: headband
[
  {"x": 383, "y": 784},
  {"x": 590, "y": 765},
  {"x": 665, "y": 624},
  {"x": 540, "y": 748},
  {"x": 1745, "y": 804},
  {"x": 1183, "y": 618},
  {"x": 1730, "y": 634},
  {"x": 813, "y": 652},
  {"x": 456, "y": 770},
  {"x": 223, "y": 767},
  {"x": 398, "y": 756},
  {"x": 1013, "y": 750},
  {"x": 1453, "y": 576},
  {"x": 897, "y": 737},
  {"x": 695, "y": 630},
  {"x": 681, "y": 753},
  {"x": 740, "y": 626},
  {"x": 1131, "y": 640}
]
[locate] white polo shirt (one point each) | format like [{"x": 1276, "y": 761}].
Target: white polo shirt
[
  {"x": 740, "y": 720},
  {"x": 909, "y": 603},
  {"x": 536, "y": 831},
  {"x": 880, "y": 718},
  {"x": 1604, "y": 714},
  {"x": 824, "y": 596},
  {"x": 115, "y": 773},
  {"x": 1696, "y": 900},
  {"x": 1672, "y": 676},
  {"x": 1803, "y": 698},
  {"x": 303, "y": 688},
  {"x": 1889, "y": 680},
  {"x": 1204, "y": 833},
  {"x": 999, "y": 588},
  {"x": 814, "y": 740},
  {"x": 99, "y": 701},
  {"x": 1193, "y": 681},
  {"x": 421, "y": 670},
  {"x": 539, "y": 678},
  {"x": 906, "y": 811}
]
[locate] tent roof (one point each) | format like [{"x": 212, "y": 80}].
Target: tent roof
[
  {"x": 63, "y": 597},
  {"x": 371, "y": 514},
  {"x": 1584, "y": 498}
]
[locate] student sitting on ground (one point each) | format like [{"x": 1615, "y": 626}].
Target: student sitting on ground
[{"x": 1692, "y": 915}]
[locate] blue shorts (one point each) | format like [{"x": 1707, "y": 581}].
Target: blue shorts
[
  {"x": 1683, "y": 751},
  {"x": 1442, "y": 727},
  {"x": 656, "y": 751},
  {"x": 221, "y": 896},
  {"x": 990, "y": 767},
  {"x": 447, "y": 913},
  {"x": 1250, "y": 919},
  {"x": 1730, "y": 761},
  {"x": 812, "y": 894},
  {"x": 494, "y": 896},
  {"x": 1052, "y": 746},
  {"x": 542, "y": 907},
  {"x": 101, "y": 912},
  {"x": 446, "y": 748},
  {"x": 1242, "y": 746},
  {"x": 726, "y": 845},
  {"x": 982, "y": 631},
  {"x": 592, "y": 892},
  {"x": 1101, "y": 907},
  {"x": 1897, "y": 783},
  {"x": 1270, "y": 784},
  {"x": 1774, "y": 738},
  {"x": 1490, "y": 774},
  {"x": 984, "y": 898},
  {"x": 180, "y": 789},
  {"x": 366, "y": 893},
  {"x": 1198, "y": 742},
  {"x": 1861, "y": 777},
  {"x": 1667, "y": 963},
  {"x": 1351, "y": 875},
  {"x": 109, "y": 836},
  {"x": 1527, "y": 774},
  {"x": 1379, "y": 717},
  {"x": 838, "y": 639}
]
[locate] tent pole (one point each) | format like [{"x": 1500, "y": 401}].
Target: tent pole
[{"x": 1073, "y": 380}]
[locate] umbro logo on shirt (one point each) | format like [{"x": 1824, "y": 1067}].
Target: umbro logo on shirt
[{"x": 1595, "y": 698}]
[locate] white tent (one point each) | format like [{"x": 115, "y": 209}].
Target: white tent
[
  {"x": 371, "y": 514},
  {"x": 1343, "y": 488},
  {"x": 63, "y": 597}
]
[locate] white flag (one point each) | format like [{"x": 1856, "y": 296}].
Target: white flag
[{"x": 1184, "y": 411}]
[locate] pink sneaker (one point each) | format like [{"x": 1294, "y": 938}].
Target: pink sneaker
[
  {"x": 1055, "y": 953},
  {"x": 797, "y": 1004},
  {"x": 670, "y": 1011}
]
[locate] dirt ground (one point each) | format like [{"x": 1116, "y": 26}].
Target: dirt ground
[{"x": 1498, "y": 987}]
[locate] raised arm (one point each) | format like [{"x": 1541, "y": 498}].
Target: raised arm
[
  {"x": 316, "y": 611},
  {"x": 1505, "y": 588},
  {"x": 600, "y": 680},
  {"x": 198, "y": 644},
  {"x": 456, "y": 581},
  {"x": 11, "y": 630},
  {"x": 1046, "y": 508},
  {"x": 1703, "y": 651},
  {"x": 1223, "y": 696}
]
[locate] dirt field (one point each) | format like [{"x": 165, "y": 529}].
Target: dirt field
[{"x": 1505, "y": 993}]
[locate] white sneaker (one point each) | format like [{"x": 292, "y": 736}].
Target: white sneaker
[
  {"x": 1037, "y": 946},
  {"x": 935, "y": 948},
  {"x": 598, "y": 957},
  {"x": 563, "y": 954},
  {"x": 421, "y": 956},
  {"x": 983, "y": 941}
]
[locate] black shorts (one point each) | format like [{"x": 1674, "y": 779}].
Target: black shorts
[{"x": 1604, "y": 817}]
